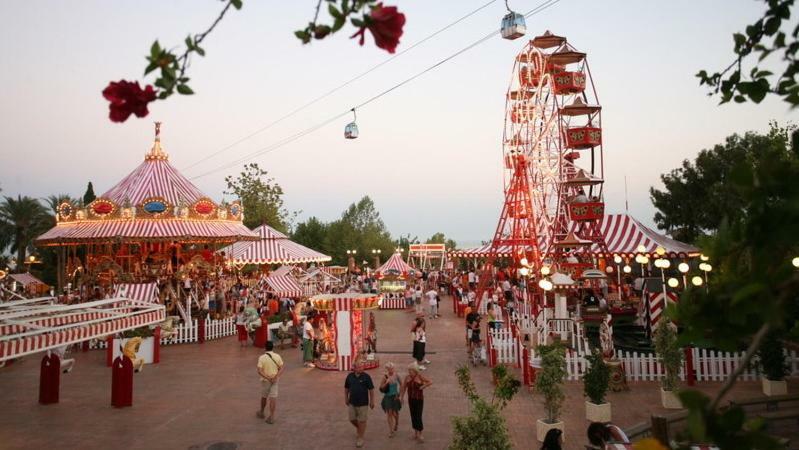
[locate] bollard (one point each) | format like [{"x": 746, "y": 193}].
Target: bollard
[
  {"x": 84, "y": 346},
  {"x": 526, "y": 367},
  {"x": 49, "y": 379},
  {"x": 157, "y": 345},
  {"x": 201, "y": 330},
  {"x": 109, "y": 350},
  {"x": 690, "y": 375},
  {"x": 262, "y": 333},
  {"x": 122, "y": 382}
]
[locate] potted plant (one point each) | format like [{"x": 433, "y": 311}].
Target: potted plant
[
  {"x": 670, "y": 355},
  {"x": 773, "y": 365},
  {"x": 595, "y": 386},
  {"x": 549, "y": 383}
]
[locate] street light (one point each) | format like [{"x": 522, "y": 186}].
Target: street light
[
  {"x": 376, "y": 254},
  {"x": 627, "y": 268},
  {"x": 642, "y": 260},
  {"x": 617, "y": 259},
  {"x": 663, "y": 264},
  {"x": 673, "y": 282},
  {"x": 683, "y": 267},
  {"x": 705, "y": 267},
  {"x": 696, "y": 280},
  {"x": 524, "y": 271},
  {"x": 795, "y": 261}
]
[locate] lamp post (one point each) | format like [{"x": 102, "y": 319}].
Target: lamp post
[
  {"x": 376, "y": 254},
  {"x": 683, "y": 267},
  {"x": 663, "y": 264},
  {"x": 617, "y": 259},
  {"x": 351, "y": 260},
  {"x": 705, "y": 267}
]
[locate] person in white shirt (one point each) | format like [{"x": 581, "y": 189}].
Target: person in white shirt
[
  {"x": 307, "y": 344},
  {"x": 432, "y": 300},
  {"x": 472, "y": 279}
]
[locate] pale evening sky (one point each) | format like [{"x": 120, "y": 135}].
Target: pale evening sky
[{"x": 429, "y": 153}]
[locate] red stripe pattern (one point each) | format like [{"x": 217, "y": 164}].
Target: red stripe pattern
[
  {"x": 395, "y": 264},
  {"x": 25, "y": 279},
  {"x": 145, "y": 292},
  {"x": 273, "y": 247},
  {"x": 149, "y": 229},
  {"x": 283, "y": 286}
]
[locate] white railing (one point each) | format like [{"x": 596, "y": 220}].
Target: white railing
[
  {"x": 215, "y": 329},
  {"x": 188, "y": 332},
  {"x": 507, "y": 347}
]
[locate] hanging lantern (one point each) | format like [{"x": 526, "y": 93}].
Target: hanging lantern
[
  {"x": 513, "y": 24},
  {"x": 351, "y": 130}
]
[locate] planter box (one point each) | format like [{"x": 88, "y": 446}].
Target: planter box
[
  {"x": 771, "y": 387},
  {"x": 597, "y": 412},
  {"x": 541, "y": 429},
  {"x": 669, "y": 399},
  {"x": 146, "y": 349}
]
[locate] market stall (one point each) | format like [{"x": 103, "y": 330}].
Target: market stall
[
  {"x": 271, "y": 247},
  {"x": 347, "y": 330},
  {"x": 318, "y": 281},
  {"x": 393, "y": 278}
]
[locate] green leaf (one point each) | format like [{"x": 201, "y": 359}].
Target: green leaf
[
  {"x": 184, "y": 89},
  {"x": 358, "y": 23},
  {"x": 772, "y": 25},
  {"x": 155, "y": 49},
  {"x": 331, "y": 8},
  {"x": 200, "y": 51},
  {"x": 739, "y": 39},
  {"x": 236, "y": 3},
  {"x": 303, "y": 35},
  {"x": 338, "y": 23},
  {"x": 189, "y": 43},
  {"x": 150, "y": 67}
]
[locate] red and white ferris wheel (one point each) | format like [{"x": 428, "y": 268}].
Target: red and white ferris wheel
[{"x": 552, "y": 150}]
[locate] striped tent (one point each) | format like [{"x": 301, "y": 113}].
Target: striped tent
[
  {"x": 145, "y": 292},
  {"x": 273, "y": 247},
  {"x": 25, "y": 279},
  {"x": 283, "y": 286},
  {"x": 395, "y": 266},
  {"x": 145, "y": 230},
  {"x": 623, "y": 235}
]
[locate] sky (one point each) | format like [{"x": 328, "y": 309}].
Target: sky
[{"x": 429, "y": 153}]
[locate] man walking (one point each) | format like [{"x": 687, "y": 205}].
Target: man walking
[
  {"x": 270, "y": 367},
  {"x": 359, "y": 397}
]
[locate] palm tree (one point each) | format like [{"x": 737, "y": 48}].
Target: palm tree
[
  {"x": 22, "y": 220},
  {"x": 54, "y": 201}
]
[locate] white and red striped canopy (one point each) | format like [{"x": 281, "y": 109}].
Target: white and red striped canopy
[
  {"x": 154, "y": 178},
  {"x": 36, "y": 325},
  {"x": 283, "y": 286},
  {"x": 273, "y": 247},
  {"x": 145, "y": 292},
  {"x": 395, "y": 266},
  {"x": 25, "y": 279},
  {"x": 183, "y": 230},
  {"x": 623, "y": 235}
]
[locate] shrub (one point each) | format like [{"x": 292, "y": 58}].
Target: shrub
[
  {"x": 549, "y": 380},
  {"x": 596, "y": 378},
  {"x": 669, "y": 352},
  {"x": 142, "y": 332},
  {"x": 484, "y": 427},
  {"x": 772, "y": 357}
]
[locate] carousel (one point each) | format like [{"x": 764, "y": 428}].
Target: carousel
[
  {"x": 392, "y": 280},
  {"x": 345, "y": 324},
  {"x": 154, "y": 226}
]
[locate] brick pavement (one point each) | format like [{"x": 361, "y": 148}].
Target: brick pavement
[{"x": 203, "y": 394}]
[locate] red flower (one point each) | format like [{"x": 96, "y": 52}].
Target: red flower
[
  {"x": 127, "y": 98},
  {"x": 385, "y": 23}
]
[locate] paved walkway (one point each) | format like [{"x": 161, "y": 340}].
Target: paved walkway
[{"x": 205, "y": 394}]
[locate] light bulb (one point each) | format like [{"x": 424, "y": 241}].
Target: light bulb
[
  {"x": 523, "y": 262},
  {"x": 703, "y": 267},
  {"x": 524, "y": 271},
  {"x": 703, "y": 257},
  {"x": 683, "y": 267},
  {"x": 545, "y": 270},
  {"x": 545, "y": 285},
  {"x": 609, "y": 269},
  {"x": 696, "y": 281},
  {"x": 660, "y": 251},
  {"x": 673, "y": 282},
  {"x": 665, "y": 264},
  {"x": 627, "y": 269},
  {"x": 795, "y": 261},
  {"x": 617, "y": 259},
  {"x": 644, "y": 260},
  {"x": 641, "y": 249}
]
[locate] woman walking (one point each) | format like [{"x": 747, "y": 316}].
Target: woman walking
[
  {"x": 414, "y": 384},
  {"x": 241, "y": 327},
  {"x": 390, "y": 386},
  {"x": 419, "y": 341}
]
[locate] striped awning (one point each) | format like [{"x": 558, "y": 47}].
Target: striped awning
[
  {"x": 273, "y": 247},
  {"x": 36, "y": 325},
  {"x": 623, "y": 235},
  {"x": 283, "y": 286},
  {"x": 395, "y": 266},
  {"x": 148, "y": 230},
  {"x": 25, "y": 279},
  {"x": 145, "y": 292}
]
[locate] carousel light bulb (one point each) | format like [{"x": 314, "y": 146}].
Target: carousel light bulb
[
  {"x": 609, "y": 269},
  {"x": 639, "y": 259},
  {"x": 627, "y": 268},
  {"x": 617, "y": 259},
  {"x": 659, "y": 263},
  {"x": 545, "y": 270},
  {"x": 697, "y": 281},
  {"x": 644, "y": 260},
  {"x": 660, "y": 251},
  {"x": 665, "y": 263},
  {"x": 545, "y": 285},
  {"x": 641, "y": 249},
  {"x": 683, "y": 267},
  {"x": 524, "y": 271},
  {"x": 31, "y": 258},
  {"x": 673, "y": 282},
  {"x": 795, "y": 261},
  {"x": 523, "y": 262}
]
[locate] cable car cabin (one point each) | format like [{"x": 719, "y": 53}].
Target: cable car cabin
[
  {"x": 583, "y": 137},
  {"x": 513, "y": 26},
  {"x": 522, "y": 113},
  {"x": 351, "y": 131},
  {"x": 569, "y": 82},
  {"x": 586, "y": 211}
]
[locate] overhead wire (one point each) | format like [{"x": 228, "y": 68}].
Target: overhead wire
[
  {"x": 543, "y": 6},
  {"x": 339, "y": 87}
]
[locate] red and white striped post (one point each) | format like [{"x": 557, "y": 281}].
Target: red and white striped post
[{"x": 157, "y": 345}]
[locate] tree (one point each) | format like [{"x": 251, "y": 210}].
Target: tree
[
  {"x": 89, "y": 196},
  {"x": 762, "y": 38},
  {"x": 360, "y": 228},
  {"x": 439, "y": 238},
  {"x": 21, "y": 220},
  {"x": 549, "y": 380},
  {"x": 54, "y": 201},
  {"x": 312, "y": 233},
  {"x": 261, "y": 197},
  {"x": 697, "y": 195}
]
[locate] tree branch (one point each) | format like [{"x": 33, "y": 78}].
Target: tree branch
[
  {"x": 750, "y": 352},
  {"x": 184, "y": 58}
]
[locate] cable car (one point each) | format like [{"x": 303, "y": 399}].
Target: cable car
[
  {"x": 513, "y": 26},
  {"x": 351, "y": 130}
]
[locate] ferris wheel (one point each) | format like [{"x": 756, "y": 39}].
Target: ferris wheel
[{"x": 553, "y": 126}]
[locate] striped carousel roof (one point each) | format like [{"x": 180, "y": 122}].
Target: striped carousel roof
[
  {"x": 623, "y": 235},
  {"x": 144, "y": 292},
  {"x": 154, "y": 202},
  {"x": 283, "y": 286},
  {"x": 395, "y": 264},
  {"x": 273, "y": 247}
]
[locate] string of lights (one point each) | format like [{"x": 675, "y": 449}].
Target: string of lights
[
  {"x": 272, "y": 147},
  {"x": 339, "y": 87}
]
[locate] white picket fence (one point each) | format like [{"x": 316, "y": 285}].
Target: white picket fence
[
  {"x": 188, "y": 332},
  {"x": 508, "y": 348}
]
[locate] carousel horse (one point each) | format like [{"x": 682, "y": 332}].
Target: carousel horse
[
  {"x": 252, "y": 319},
  {"x": 130, "y": 350},
  {"x": 67, "y": 364},
  {"x": 168, "y": 328},
  {"x": 606, "y": 338}
]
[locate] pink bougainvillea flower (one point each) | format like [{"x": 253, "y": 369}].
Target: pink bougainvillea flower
[
  {"x": 385, "y": 23},
  {"x": 126, "y": 98}
]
